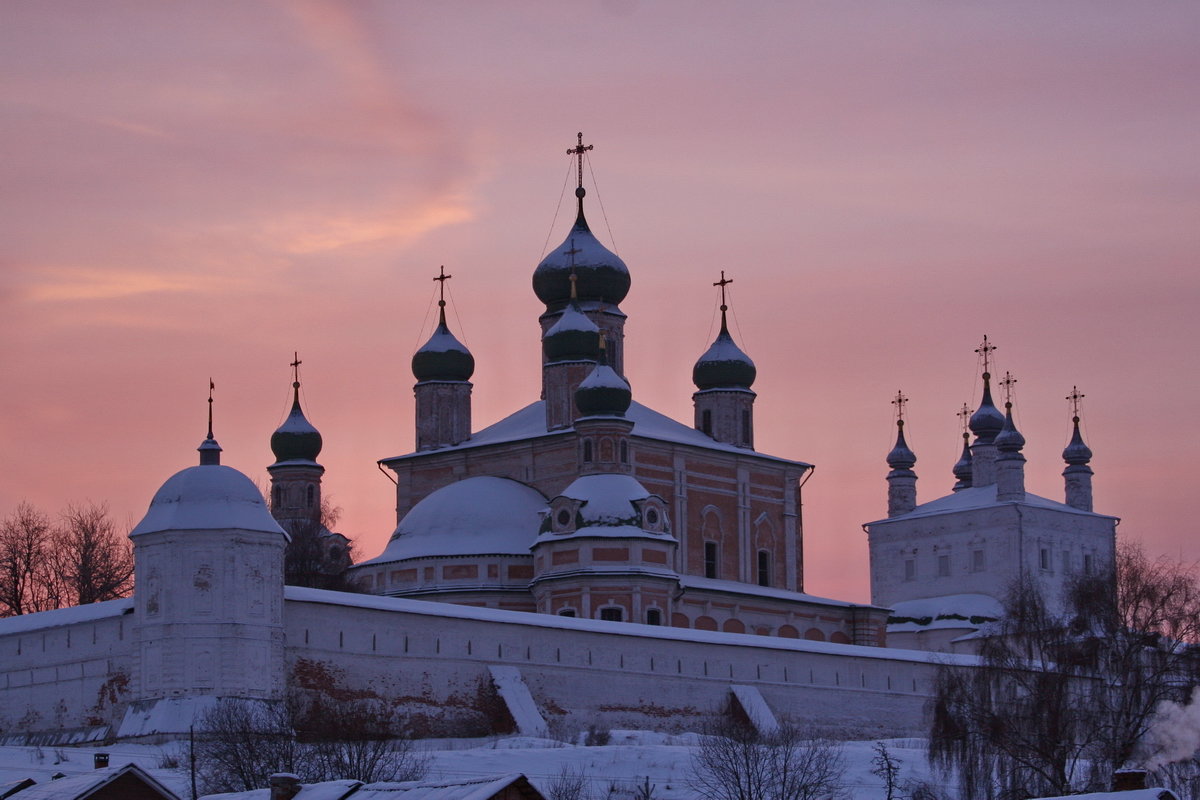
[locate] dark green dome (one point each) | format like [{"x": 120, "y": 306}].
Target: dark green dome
[
  {"x": 724, "y": 365},
  {"x": 601, "y": 275},
  {"x": 296, "y": 439},
  {"x": 443, "y": 358},
  {"x": 573, "y": 337},
  {"x": 603, "y": 393}
]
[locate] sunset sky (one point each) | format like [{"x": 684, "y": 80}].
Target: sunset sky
[{"x": 200, "y": 189}]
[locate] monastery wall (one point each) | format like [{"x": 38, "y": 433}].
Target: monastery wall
[
  {"x": 435, "y": 660},
  {"x": 65, "y": 669}
]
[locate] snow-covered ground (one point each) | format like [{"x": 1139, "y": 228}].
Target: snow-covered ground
[{"x": 628, "y": 758}]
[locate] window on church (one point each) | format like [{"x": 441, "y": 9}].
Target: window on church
[
  {"x": 764, "y": 568},
  {"x": 653, "y": 616},
  {"x": 612, "y": 614},
  {"x": 587, "y": 451},
  {"x": 710, "y": 559},
  {"x": 277, "y": 496},
  {"x": 706, "y": 421},
  {"x": 1087, "y": 563},
  {"x": 910, "y": 569},
  {"x": 309, "y": 497},
  {"x": 624, "y": 452},
  {"x": 1044, "y": 559},
  {"x": 567, "y": 612},
  {"x": 745, "y": 427},
  {"x": 976, "y": 561},
  {"x": 944, "y": 566}
]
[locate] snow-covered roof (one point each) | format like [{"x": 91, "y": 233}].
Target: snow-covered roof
[
  {"x": 1135, "y": 794},
  {"x": 208, "y": 497},
  {"x": 325, "y": 790},
  {"x": 945, "y": 611},
  {"x": 65, "y": 616},
  {"x": 468, "y": 789},
  {"x": 300, "y": 594},
  {"x": 982, "y": 497},
  {"x": 475, "y": 516},
  {"x": 753, "y": 590},
  {"x": 86, "y": 783},
  {"x": 530, "y": 423},
  {"x": 607, "y": 499}
]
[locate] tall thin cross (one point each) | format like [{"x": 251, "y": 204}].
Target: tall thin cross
[
  {"x": 211, "y": 386},
  {"x": 985, "y": 350},
  {"x": 570, "y": 254},
  {"x": 899, "y": 401},
  {"x": 723, "y": 283},
  {"x": 1008, "y": 382},
  {"x": 964, "y": 415},
  {"x": 1073, "y": 398},
  {"x": 578, "y": 151},
  {"x": 295, "y": 365},
  {"x": 441, "y": 278}
]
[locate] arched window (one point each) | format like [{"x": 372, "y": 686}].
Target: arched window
[
  {"x": 587, "y": 451},
  {"x": 653, "y": 616},
  {"x": 710, "y": 559},
  {"x": 746, "y": 437},
  {"x": 764, "y": 568},
  {"x": 612, "y": 614},
  {"x": 309, "y": 496},
  {"x": 567, "y": 612},
  {"x": 624, "y": 452},
  {"x": 706, "y": 421}
]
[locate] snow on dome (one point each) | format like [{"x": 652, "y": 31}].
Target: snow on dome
[
  {"x": 210, "y": 498},
  {"x": 475, "y": 516},
  {"x": 724, "y": 365},
  {"x": 600, "y": 274},
  {"x": 443, "y": 358},
  {"x": 296, "y": 439},
  {"x": 607, "y": 499},
  {"x": 573, "y": 337},
  {"x": 603, "y": 392}
]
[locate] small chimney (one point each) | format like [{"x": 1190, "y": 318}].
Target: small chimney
[
  {"x": 100, "y": 760},
  {"x": 1129, "y": 779},
  {"x": 284, "y": 786}
]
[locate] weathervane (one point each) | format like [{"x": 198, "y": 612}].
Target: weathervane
[
  {"x": 1073, "y": 398},
  {"x": 211, "y": 386}
]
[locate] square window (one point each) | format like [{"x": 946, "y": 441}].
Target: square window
[{"x": 611, "y": 614}]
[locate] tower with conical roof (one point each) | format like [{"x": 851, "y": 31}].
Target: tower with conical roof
[
  {"x": 1010, "y": 463},
  {"x": 443, "y": 367},
  {"x": 724, "y": 401},
  {"x": 580, "y": 277},
  {"x": 902, "y": 481},
  {"x": 962, "y": 468},
  {"x": 296, "y": 475},
  {"x": 1078, "y": 474},
  {"x": 986, "y": 423}
]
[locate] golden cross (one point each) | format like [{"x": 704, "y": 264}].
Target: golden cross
[
  {"x": 578, "y": 151},
  {"x": 985, "y": 350},
  {"x": 899, "y": 402},
  {"x": 723, "y": 283},
  {"x": 1073, "y": 398}
]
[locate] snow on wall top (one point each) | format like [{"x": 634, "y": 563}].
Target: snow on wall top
[
  {"x": 59, "y": 617},
  {"x": 210, "y": 497},
  {"x": 475, "y": 516},
  {"x": 982, "y": 497},
  {"x": 300, "y": 594},
  {"x": 946, "y": 611},
  {"x": 530, "y": 422},
  {"x": 753, "y": 590}
]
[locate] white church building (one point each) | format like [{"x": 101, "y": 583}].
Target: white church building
[{"x": 584, "y": 561}]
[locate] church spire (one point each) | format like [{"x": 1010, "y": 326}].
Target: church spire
[
  {"x": 443, "y": 367},
  {"x": 1010, "y": 464},
  {"x": 902, "y": 481},
  {"x": 724, "y": 402},
  {"x": 962, "y": 467},
  {"x": 985, "y": 423},
  {"x": 210, "y": 451},
  {"x": 1078, "y": 474},
  {"x": 296, "y": 439}
]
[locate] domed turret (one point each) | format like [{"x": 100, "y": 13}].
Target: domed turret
[
  {"x": 987, "y": 421},
  {"x": 443, "y": 357},
  {"x": 901, "y": 457},
  {"x": 1009, "y": 440},
  {"x": 1078, "y": 456},
  {"x": 1076, "y": 452},
  {"x": 296, "y": 439},
  {"x": 724, "y": 365},
  {"x": 603, "y": 392},
  {"x": 573, "y": 337},
  {"x": 962, "y": 467},
  {"x": 603, "y": 276}
]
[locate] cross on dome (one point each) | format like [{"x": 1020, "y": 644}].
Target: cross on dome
[
  {"x": 985, "y": 350},
  {"x": 295, "y": 365},
  {"x": 723, "y": 283},
  {"x": 578, "y": 150},
  {"x": 1008, "y": 382},
  {"x": 441, "y": 278},
  {"x": 1073, "y": 398},
  {"x": 964, "y": 416},
  {"x": 899, "y": 401},
  {"x": 211, "y": 387}
]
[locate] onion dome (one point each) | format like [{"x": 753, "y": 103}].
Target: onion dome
[
  {"x": 603, "y": 276},
  {"x": 1077, "y": 453},
  {"x": 208, "y": 498},
  {"x": 296, "y": 439},
  {"x": 603, "y": 393},
  {"x": 901, "y": 457},
  {"x": 573, "y": 337},
  {"x": 1009, "y": 440},
  {"x": 443, "y": 357},
  {"x": 987, "y": 421},
  {"x": 962, "y": 467},
  {"x": 724, "y": 365}
]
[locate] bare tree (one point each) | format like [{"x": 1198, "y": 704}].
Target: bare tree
[
  {"x": 886, "y": 767},
  {"x": 1062, "y": 699},
  {"x": 735, "y": 762},
  {"x": 240, "y": 743},
  {"x": 91, "y": 559},
  {"x": 568, "y": 784},
  {"x": 25, "y": 580}
]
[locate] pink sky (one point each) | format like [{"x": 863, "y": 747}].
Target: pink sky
[{"x": 200, "y": 189}]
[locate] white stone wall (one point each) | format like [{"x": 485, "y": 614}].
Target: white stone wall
[{"x": 65, "y": 669}]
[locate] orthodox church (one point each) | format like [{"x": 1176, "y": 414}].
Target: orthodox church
[{"x": 587, "y": 556}]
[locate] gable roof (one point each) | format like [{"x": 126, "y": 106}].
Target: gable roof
[
  {"x": 977, "y": 497},
  {"x": 447, "y": 789},
  {"x": 86, "y": 784}
]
